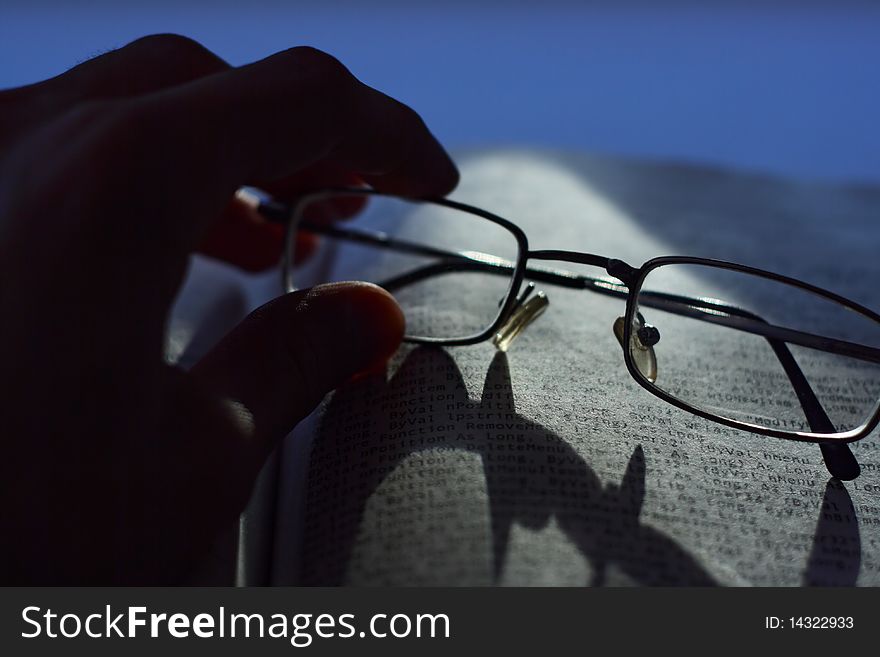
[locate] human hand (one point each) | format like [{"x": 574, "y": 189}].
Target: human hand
[{"x": 119, "y": 468}]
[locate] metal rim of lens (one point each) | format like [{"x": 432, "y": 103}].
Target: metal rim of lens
[
  {"x": 803, "y": 436},
  {"x": 513, "y": 229}
]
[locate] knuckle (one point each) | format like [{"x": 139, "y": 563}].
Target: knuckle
[
  {"x": 170, "y": 46},
  {"x": 319, "y": 68}
]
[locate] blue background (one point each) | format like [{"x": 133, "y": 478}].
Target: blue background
[{"x": 784, "y": 88}]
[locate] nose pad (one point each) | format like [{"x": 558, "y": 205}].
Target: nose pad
[
  {"x": 643, "y": 337},
  {"x": 526, "y": 310}
]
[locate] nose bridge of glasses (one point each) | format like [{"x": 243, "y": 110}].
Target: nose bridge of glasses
[
  {"x": 569, "y": 256},
  {"x": 526, "y": 309}
]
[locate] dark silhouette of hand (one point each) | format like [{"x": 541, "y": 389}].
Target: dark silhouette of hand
[{"x": 117, "y": 467}]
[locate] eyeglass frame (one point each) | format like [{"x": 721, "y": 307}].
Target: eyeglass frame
[{"x": 838, "y": 458}]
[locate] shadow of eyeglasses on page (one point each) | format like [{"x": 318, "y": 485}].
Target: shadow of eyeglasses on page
[{"x": 531, "y": 476}]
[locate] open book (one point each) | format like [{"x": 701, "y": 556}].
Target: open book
[{"x": 548, "y": 464}]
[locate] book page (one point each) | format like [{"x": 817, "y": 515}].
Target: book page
[{"x": 550, "y": 465}]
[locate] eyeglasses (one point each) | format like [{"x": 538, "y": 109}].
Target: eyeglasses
[{"x": 740, "y": 346}]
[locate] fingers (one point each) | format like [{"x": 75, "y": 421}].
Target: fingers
[
  {"x": 156, "y": 170},
  {"x": 281, "y": 361},
  {"x": 146, "y": 65},
  {"x": 272, "y": 118}
]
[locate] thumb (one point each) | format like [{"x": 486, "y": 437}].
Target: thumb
[{"x": 281, "y": 360}]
